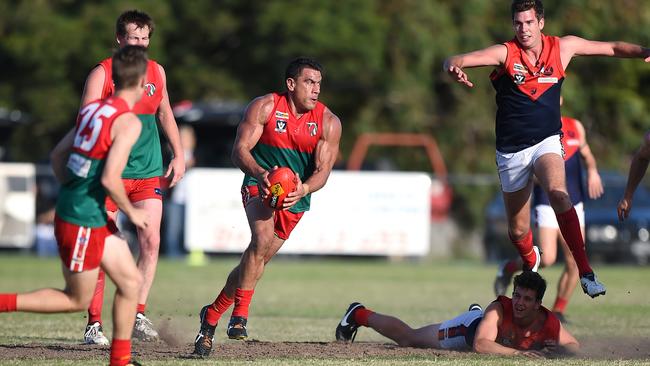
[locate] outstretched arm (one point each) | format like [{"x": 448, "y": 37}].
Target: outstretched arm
[
  {"x": 324, "y": 158},
  {"x": 249, "y": 132},
  {"x": 571, "y": 46},
  {"x": 638, "y": 168},
  {"x": 491, "y": 56},
  {"x": 169, "y": 127},
  {"x": 594, "y": 183}
]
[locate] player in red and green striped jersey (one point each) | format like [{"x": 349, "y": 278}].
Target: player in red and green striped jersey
[
  {"x": 291, "y": 129},
  {"x": 105, "y": 132}
]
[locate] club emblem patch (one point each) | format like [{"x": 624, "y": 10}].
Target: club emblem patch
[
  {"x": 313, "y": 128},
  {"x": 519, "y": 79},
  {"x": 280, "y": 126},
  {"x": 150, "y": 89}
]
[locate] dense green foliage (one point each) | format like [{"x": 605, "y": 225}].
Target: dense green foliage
[{"x": 383, "y": 65}]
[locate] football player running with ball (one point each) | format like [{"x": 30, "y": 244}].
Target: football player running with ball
[{"x": 292, "y": 129}]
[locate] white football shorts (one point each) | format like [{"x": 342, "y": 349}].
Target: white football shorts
[
  {"x": 516, "y": 169},
  {"x": 458, "y": 333},
  {"x": 545, "y": 216}
]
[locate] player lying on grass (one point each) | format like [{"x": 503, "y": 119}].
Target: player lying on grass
[
  {"x": 517, "y": 326},
  {"x": 104, "y": 134}
]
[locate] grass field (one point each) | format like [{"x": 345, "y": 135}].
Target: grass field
[{"x": 300, "y": 301}]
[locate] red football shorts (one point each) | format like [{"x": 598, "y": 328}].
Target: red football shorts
[
  {"x": 285, "y": 221},
  {"x": 81, "y": 248},
  {"x": 138, "y": 190}
]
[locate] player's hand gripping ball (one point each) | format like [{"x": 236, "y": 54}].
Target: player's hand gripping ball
[{"x": 283, "y": 181}]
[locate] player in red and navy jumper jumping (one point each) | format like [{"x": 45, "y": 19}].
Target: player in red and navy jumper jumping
[
  {"x": 577, "y": 154},
  {"x": 528, "y": 78}
]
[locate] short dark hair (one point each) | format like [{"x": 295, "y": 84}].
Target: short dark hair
[
  {"x": 523, "y": 5},
  {"x": 129, "y": 65},
  {"x": 532, "y": 281},
  {"x": 296, "y": 66},
  {"x": 137, "y": 17}
]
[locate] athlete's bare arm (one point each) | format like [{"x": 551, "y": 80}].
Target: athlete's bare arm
[
  {"x": 492, "y": 56},
  {"x": 124, "y": 133},
  {"x": 249, "y": 132},
  {"x": 638, "y": 168},
  {"x": 94, "y": 85},
  {"x": 487, "y": 331},
  {"x": 170, "y": 128},
  {"x": 324, "y": 159},
  {"x": 567, "y": 342},
  {"x": 571, "y": 46},
  {"x": 594, "y": 183},
  {"x": 59, "y": 156}
]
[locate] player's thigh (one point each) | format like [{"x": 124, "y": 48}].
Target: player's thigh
[
  {"x": 154, "y": 209},
  {"x": 80, "y": 286},
  {"x": 261, "y": 221},
  {"x": 118, "y": 262},
  {"x": 425, "y": 337}
]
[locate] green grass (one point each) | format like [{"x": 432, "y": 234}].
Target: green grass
[{"x": 302, "y": 300}]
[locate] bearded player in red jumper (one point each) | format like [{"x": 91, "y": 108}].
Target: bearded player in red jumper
[
  {"x": 291, "y": 129},
  {"x": 528, "y": 78}
]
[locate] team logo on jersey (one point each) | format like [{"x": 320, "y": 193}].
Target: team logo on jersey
[
  {"x": 519, "y": 78},
  {"x": 313, "y": 128},
  {"x": 280, "y": 126},
  {"x": 546, "y": 71},
  {"x": 150, "y": 89},
  {"x": 281, "y": 115}
]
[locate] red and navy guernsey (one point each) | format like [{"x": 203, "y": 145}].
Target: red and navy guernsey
[{"x": 528, "y": 96}]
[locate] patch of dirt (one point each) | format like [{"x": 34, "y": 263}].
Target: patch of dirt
[{"x": 252, "y": 350}]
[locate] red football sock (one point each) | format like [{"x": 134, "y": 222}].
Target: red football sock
[
  {"x": 570, "y": 228},
  {"x": 242, "y": 302},
  {"x": 141, "y": 308},
  {"x": 525, "y": 248},
  {"x": 8, "y": 302},
  {"x": 560, "y": 304},
  {"x": 120, "y": 352},
  {"x": 219, "y": 306},
  {"x": 361, "y": 316},
  {"x": 95, "y": 308}
]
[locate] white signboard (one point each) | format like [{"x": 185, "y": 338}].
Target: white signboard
[
  {"x": 17, "y": 204},
  {"x": 356, "y": 213}
]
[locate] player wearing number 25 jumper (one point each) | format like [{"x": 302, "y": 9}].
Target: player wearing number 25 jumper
[{"x": 103, "y": 137}]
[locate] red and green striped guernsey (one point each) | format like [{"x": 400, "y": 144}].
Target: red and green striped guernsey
[
  {"x": 145, "y": 160},
  {"x": 289, "y": 141},
  {"x": 81, "y": 198}
]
